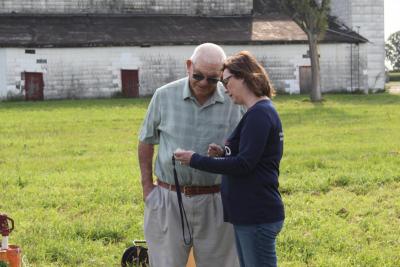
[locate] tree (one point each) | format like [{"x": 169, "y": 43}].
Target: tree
[
  {"x": 392, "y": 48},
  {"x": 312, "y": 18}
]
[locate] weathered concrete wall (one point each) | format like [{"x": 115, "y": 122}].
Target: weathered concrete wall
[
  {"x": 342, "y": 67},
  {"x": 3, "y": 88},
  {"x": 370, "y": 16},
  {"x": 161, "y": 67},
  {"x": 342, "y": 10},
  {"x": 93, "y": 72},
  {"x": 367, "y": 18},
  {"x": 67, "y": 73},
  {"x": 96, "y": 72},
  {"x": 195, "y": 7},
  {"x": 283, "y": 62}
]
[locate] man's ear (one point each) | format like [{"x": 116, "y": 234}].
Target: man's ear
[{"x": 188, "y": 65}]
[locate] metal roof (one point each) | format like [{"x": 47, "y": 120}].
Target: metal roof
[{"x": 154, "y": 30}]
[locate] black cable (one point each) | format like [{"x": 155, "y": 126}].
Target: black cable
[{"x": 181, "y": 208}]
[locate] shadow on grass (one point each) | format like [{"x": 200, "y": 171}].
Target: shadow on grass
[
  {"x": 336, "y": 108},
  {"x": 316, "y": 115},
  {"x": 75, "y": 103},
  {"x": 371, "y": 99},
  {"x": 345, "y": 98}
]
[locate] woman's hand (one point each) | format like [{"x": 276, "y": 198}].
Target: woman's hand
[
  {"x": 183, "y": 156},
  {"x": 215, "y": 150}
]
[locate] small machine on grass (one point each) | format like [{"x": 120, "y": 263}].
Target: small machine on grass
[
  {"x": 10, "y": 255},
  {"x": 136, "y": 256}
]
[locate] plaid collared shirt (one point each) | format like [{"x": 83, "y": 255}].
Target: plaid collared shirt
[{"x": 175, "y": 119}]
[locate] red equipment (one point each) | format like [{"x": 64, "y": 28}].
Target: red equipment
[{"x": 11, "y": 255}]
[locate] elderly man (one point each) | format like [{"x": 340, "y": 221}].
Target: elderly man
[{"x": 189, "y": 113}]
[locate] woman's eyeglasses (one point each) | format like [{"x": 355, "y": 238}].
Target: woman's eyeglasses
[
  {"x": 200, "y": 77},
  {"x": 226, "y": 80}
]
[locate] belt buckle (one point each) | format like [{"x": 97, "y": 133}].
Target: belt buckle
[{"x": 186, "y": 192}]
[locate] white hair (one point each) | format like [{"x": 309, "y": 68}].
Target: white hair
[{"x": 209, "y": 53}]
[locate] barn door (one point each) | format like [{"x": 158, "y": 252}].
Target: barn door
[
  {"x": 305, "y": 79},
  {"x": 130, "y": 83},
  {"x": 34, "y": 86}
]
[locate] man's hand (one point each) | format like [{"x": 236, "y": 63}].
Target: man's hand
[
  {"x": 215, "y": 150},
  {"x": 147, "y": 190},
  {"x": 183, "y": 156}
]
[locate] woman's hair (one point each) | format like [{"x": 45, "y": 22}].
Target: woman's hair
[{"x": 244, "y": 66}]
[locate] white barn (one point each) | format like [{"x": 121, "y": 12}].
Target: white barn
[{"x": 103, "y": 48}]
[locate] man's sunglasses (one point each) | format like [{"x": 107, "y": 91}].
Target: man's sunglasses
[{"x": 199, "y": 77}]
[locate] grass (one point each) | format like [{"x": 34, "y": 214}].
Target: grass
[{"x": 69, "y": 177}]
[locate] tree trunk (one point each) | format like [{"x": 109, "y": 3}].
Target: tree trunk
[{"x": 315, "y": 94}]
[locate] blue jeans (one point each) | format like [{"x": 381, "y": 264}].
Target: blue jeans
[{"x": 255, "y": 244}]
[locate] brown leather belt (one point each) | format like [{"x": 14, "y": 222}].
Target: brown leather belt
[{"x": 191, "y": 190}]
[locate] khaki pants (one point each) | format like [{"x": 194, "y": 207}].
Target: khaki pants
[{"x": 213, "y": 240}]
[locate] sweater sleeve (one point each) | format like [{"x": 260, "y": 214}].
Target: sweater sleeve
[{"x": 253, "y": 138}]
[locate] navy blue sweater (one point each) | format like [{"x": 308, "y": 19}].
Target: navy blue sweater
[{"x": 253, "y": 152}]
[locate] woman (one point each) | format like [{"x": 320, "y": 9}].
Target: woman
[{"x": 250, "y": 163}]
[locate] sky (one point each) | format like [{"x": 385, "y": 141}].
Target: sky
[{"x": 392, "y": 17}]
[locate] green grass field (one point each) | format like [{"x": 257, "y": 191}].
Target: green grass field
[{"x": 69, "y": 177}]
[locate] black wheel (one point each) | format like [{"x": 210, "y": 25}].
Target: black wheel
[{"x": 135, "y": 256}]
